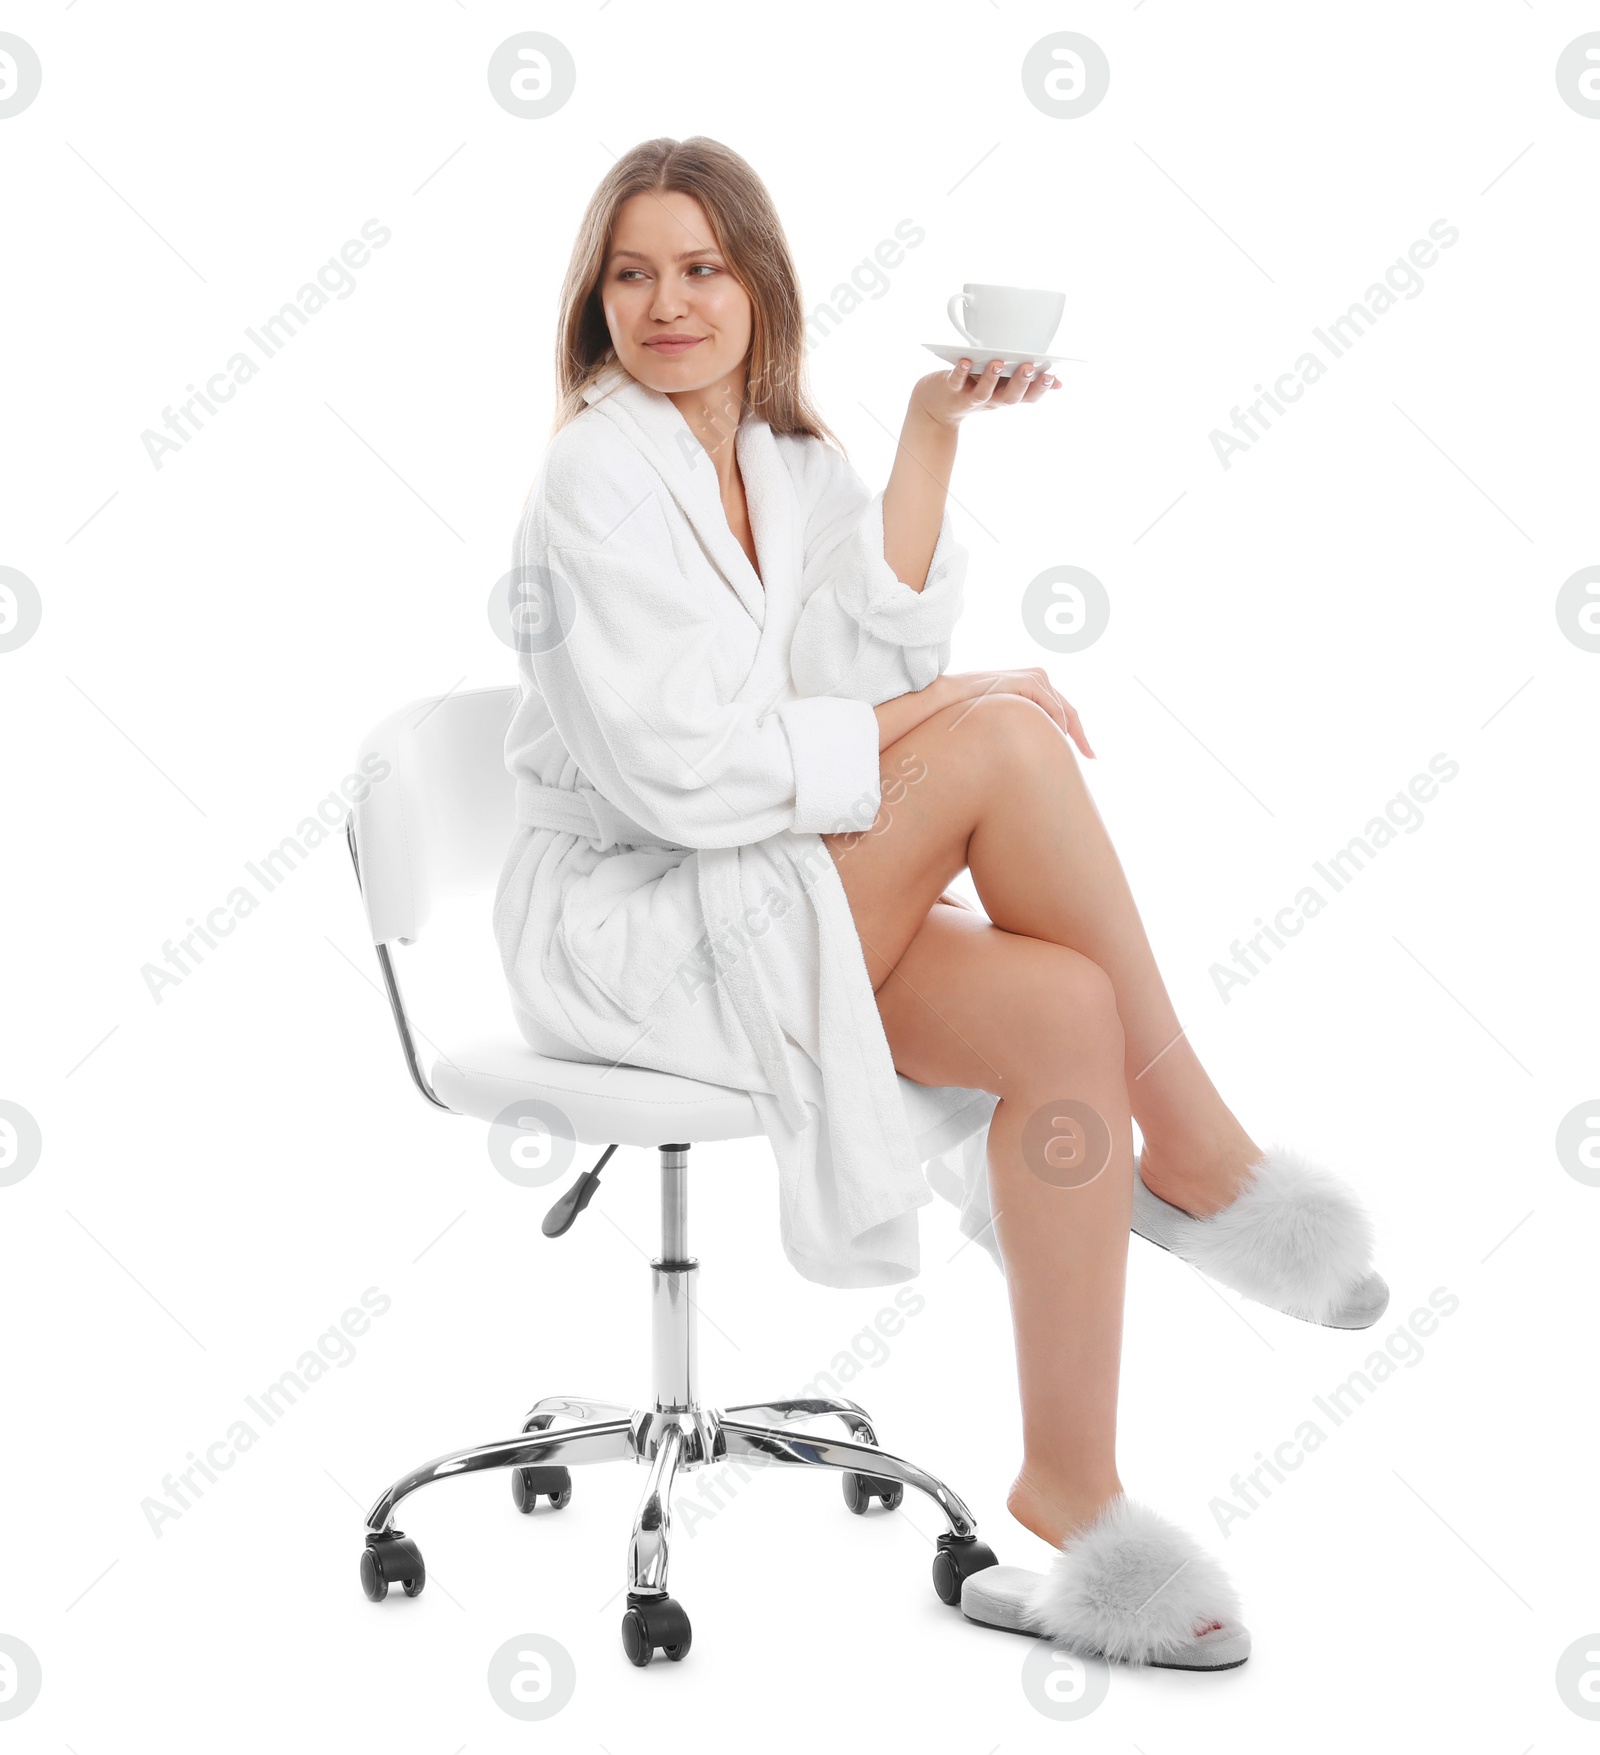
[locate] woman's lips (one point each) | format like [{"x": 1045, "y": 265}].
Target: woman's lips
[{"x": 675, "y": 343}]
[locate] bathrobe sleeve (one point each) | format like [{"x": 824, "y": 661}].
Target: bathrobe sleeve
[
  {"x": 628, "y": 673},
  {"x": 864, "y": 633}
]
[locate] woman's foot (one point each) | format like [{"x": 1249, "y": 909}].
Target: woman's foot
[
  {"x": 1293, "y": 1236},
  {"x": 1058, "y": 1513},
  {"x": 1135, "y": 1588},
  {"x": 1055, "y": 1510},
  {"x": 1203, "y": 1180}
]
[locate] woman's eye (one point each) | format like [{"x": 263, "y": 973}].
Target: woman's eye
[{"x": 709, "y": 267}]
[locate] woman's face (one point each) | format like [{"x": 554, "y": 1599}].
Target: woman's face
[{"x": 678, "y": 319}]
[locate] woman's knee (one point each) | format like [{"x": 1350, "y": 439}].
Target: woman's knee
[
  {"x": 999, "y": 734},
  {"x": 1067, "y": 1012}
]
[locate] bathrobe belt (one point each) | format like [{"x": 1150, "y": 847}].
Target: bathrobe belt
[{"x": 581, "y": 810}]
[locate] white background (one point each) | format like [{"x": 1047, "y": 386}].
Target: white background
[{"x": 1291, "y": 639}]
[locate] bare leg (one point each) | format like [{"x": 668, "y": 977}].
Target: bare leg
[
  {"x": 995, "y": 786},
  {"x": 950, "y": 1010},
  {"x": 1058, "y": 998}
]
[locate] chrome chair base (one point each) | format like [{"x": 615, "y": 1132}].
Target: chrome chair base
[{"x": 675, "y": 1434}]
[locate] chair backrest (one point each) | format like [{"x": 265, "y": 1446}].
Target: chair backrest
[{"x": 440, "y": 813}]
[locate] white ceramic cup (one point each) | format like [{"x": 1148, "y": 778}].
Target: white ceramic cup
[{"x": 1010, "y": 319}]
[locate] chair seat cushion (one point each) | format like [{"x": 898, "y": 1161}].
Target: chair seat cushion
[{"x": 633, "y": 1105}]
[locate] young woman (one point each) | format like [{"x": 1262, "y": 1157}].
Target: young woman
[{"x": 745, "y": 778}]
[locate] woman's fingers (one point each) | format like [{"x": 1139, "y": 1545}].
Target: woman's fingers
[
  {"x": 1040, "y": 691},
  {"x": 1064, "y": 713},
  {"x": 1019, "y": 383},
  {"x": 970, "y": 387},
  {"x": 1030, "y": 383},
  {"x": 1035, "y": 685},
  {"x": 1075, "y": 729},
  {"x": 987, "y": 388},
  {"x": 981, "y": 388},
  {"x": 1027, "y": 383}
]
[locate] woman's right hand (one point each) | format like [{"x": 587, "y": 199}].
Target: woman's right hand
[{"x": 1033, "y": 685}]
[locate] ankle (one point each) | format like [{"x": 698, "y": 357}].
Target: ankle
[
  {"x": 1055, "y": 1507},
  {"x": 1201, "y": 1176}
]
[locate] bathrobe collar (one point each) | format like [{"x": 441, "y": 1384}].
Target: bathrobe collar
[{"x": 651, "y": 420}]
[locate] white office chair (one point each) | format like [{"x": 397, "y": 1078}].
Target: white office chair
[{"x": 440, "y": 824}]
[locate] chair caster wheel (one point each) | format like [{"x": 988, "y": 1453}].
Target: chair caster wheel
[
  {"x": 651, "y": 1622},
  {"x": 861, "y": 1490},
  {"x": 391, "y": 1559},
  {"x": 956, "y": 1561},
  {"x": 528, "y": 1484}
]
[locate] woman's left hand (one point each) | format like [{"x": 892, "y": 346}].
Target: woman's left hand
[{"x": 949, "y": 397}]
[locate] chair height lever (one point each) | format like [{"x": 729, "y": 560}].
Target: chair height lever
[{"x": 558, "y": 1221}]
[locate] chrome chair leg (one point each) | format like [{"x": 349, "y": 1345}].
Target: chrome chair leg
[
  {"x": 583, "y": 1408},
  {"x": 857, "y": 1421},
  {"x": 804, "y": 1448},
  {"x": 652, "y": 1525},
  {"x": 672, "y": 1433},
  {"x": 603, "y": 1441}
]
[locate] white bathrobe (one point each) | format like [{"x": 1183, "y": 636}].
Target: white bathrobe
[{"x": 687, "y": 732}]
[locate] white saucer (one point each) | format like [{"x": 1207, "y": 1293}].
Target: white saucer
[{"x": 981, "y": 357}]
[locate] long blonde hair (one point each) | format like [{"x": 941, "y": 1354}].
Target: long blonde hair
[{"x": 745, "y": 226}]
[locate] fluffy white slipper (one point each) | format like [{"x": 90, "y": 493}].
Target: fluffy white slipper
[
  {"x": 1294, "y": 1237},
  {"x": 1130, "y": 1587}
]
